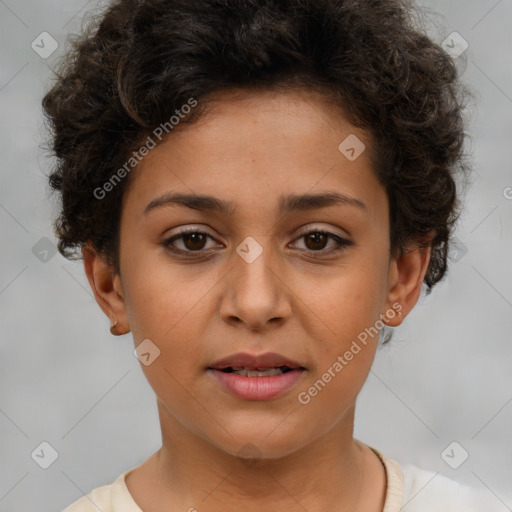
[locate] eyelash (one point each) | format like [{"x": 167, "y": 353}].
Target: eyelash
[{"x": 342, "y": 242}]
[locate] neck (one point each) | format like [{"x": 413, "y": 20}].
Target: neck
[{"x": 189, "y": 473}]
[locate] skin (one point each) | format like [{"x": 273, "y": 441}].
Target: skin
[{"x": 251, "y": 148}]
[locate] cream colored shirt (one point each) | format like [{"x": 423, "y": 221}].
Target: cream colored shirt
[{"x": 409, "y": 489}]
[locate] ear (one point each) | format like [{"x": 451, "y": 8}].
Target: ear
[
  {"x": 107, "y": 289},
  {"x": 406, "y": 274}
]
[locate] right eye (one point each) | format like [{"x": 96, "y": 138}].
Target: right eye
[{"x": 192, "y": 240}]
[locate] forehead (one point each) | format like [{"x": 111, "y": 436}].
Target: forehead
[{"x": 252, "y": 146}]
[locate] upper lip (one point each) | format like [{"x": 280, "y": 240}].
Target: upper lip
[{"x": 251, "y": 361}]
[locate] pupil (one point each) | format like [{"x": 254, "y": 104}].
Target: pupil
[
  {"x": 194, "y": 238},
  {"x": 316, "y": 237}
]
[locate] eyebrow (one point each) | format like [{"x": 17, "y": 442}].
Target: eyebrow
[{"x": 287, "y": 204}]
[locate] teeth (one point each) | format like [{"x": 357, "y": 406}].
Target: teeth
[
  {"x": 236, "y": 368},
  {"x": 260, "y": 372}
]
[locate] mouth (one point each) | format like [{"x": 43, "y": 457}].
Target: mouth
[
  {"x": 252, "y": 377},
  {"x": 244, "y": 361},
  {"x": 258, "y": 372}
]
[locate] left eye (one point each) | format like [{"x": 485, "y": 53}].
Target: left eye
[{"x": 315, "y": 241}]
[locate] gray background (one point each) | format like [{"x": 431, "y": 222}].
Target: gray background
[{"x": 65, "y": 380}]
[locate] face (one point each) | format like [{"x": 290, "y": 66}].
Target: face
[{"x": 296, "y": 263}]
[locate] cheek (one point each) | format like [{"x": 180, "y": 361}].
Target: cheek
[
  {"x": 346, "y": 303},
  {"x": 172, "y": 307},
  {"x": 163, "y": 299},
  {"x": 167, "y": 308},
  {"x": 345, "y": 329},
  {"x": 344, "y": 321}
]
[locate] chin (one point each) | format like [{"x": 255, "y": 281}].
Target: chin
[{"x": 258, "y": 442}]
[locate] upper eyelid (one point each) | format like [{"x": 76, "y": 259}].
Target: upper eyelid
[
  {"x": 305, "y": 231},
  {"x": 343, "y": 240}
]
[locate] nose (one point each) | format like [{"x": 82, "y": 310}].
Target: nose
[{"x": 256, "y": 293}]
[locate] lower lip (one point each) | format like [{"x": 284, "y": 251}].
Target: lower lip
[{"x": 257, "y": 388}]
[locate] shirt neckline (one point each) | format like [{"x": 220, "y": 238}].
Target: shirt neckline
[
  {"x": 394, "y": 483},
  {"x": 123, "y": 500}
]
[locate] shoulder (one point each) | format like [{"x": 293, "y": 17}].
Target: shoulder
[
  {"x": 412, "y": 489},
  {"x": 98, "y": 499},
  {"x": 430, "y": 491},
  {"x": 114, "y": 497}
]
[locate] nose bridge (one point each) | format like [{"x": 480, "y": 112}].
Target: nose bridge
[
  {"x": 256, "y": 292},
  {"x": 256, "y": 269}
]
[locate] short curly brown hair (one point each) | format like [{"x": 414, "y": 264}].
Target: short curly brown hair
[{"x": 143, "y": 60}]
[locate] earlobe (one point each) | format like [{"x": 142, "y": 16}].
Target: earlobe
[
  {"x": 406, "y": 275},
  {"x": 106, "y": 286}
]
